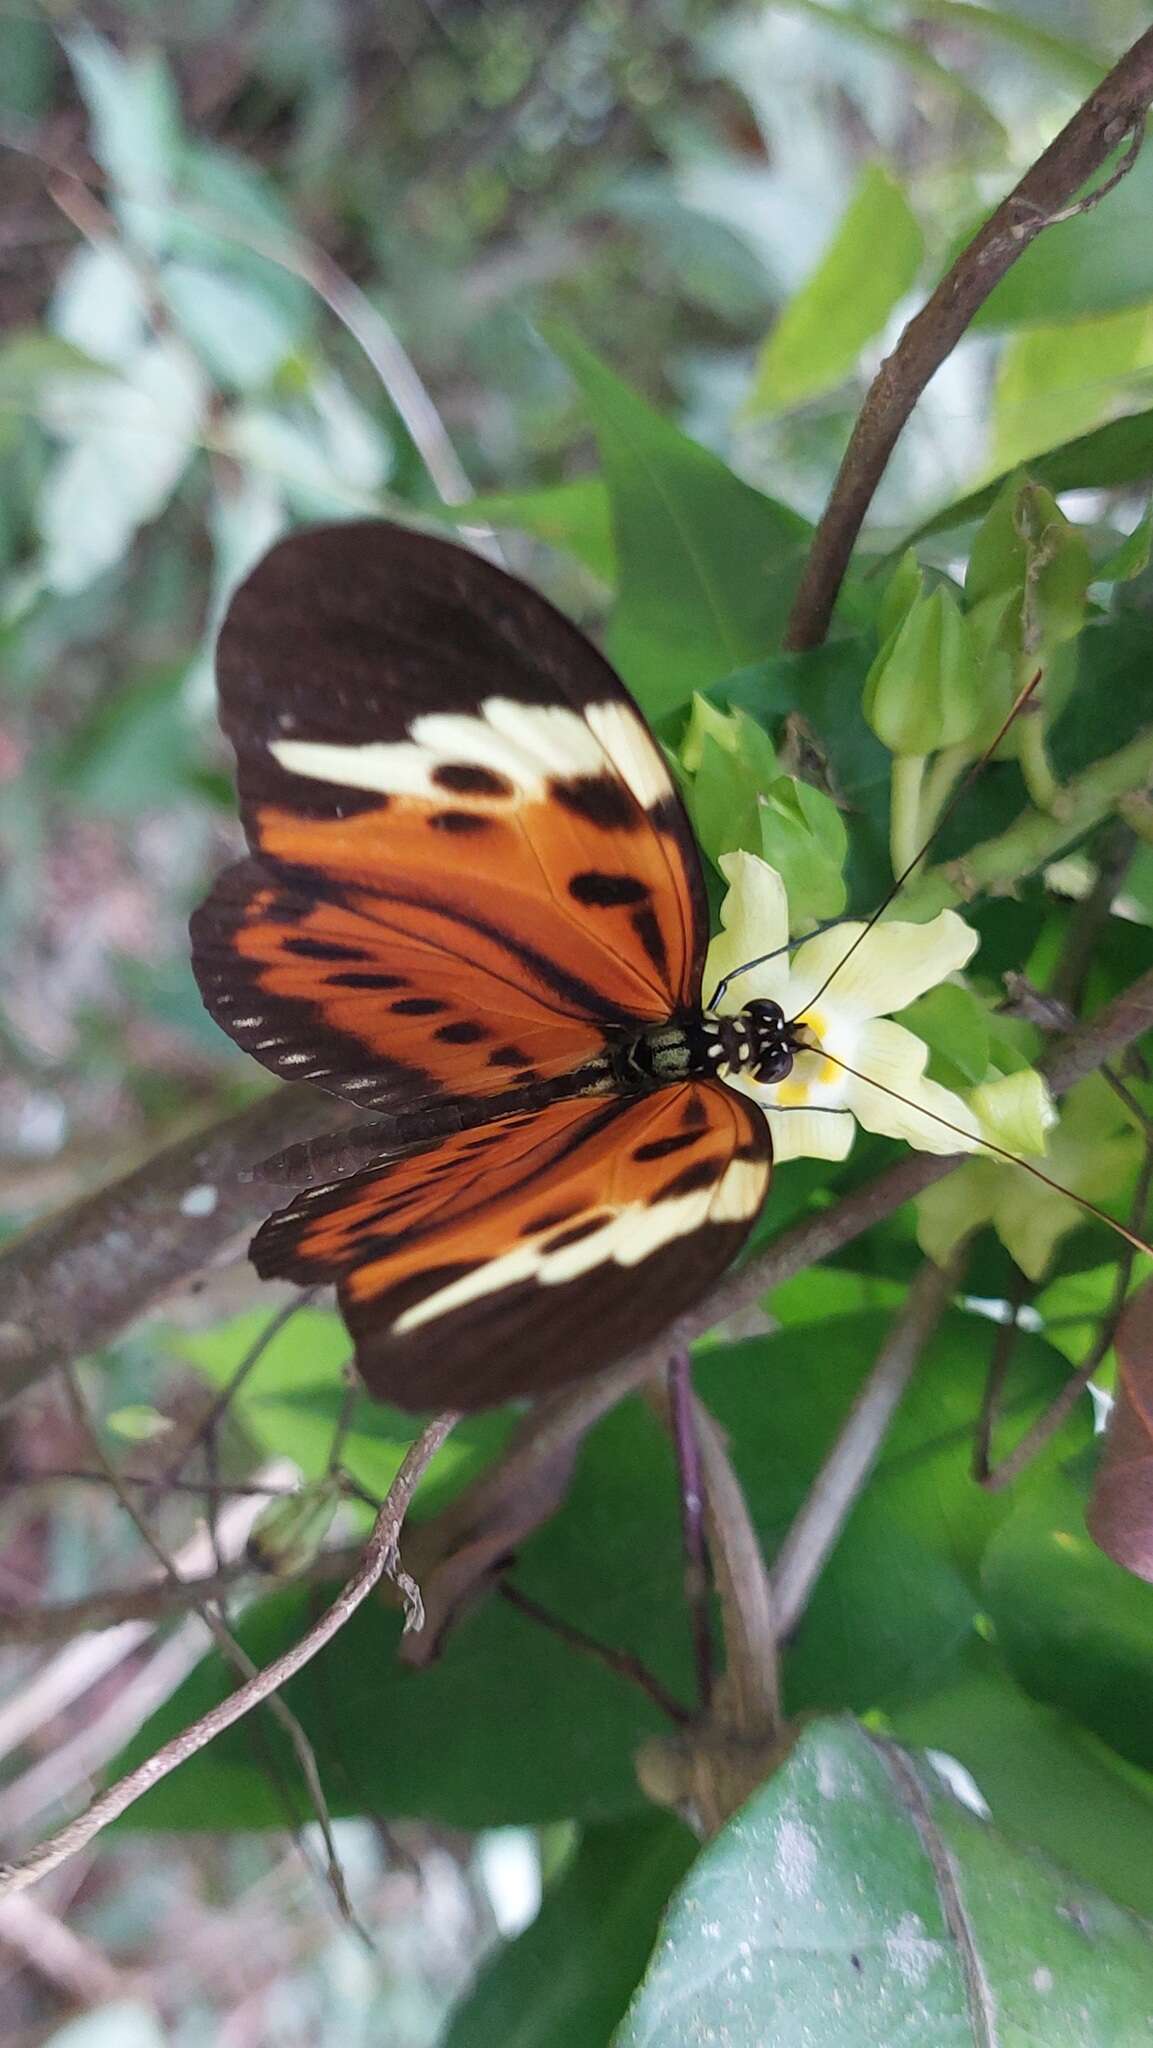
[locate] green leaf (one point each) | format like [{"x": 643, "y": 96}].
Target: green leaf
[
  {"x": 1047, "y": 1781},
  {"x": 1081, "y": 69},
  {"x": 803, "y": 836},
  {"x": 239, "y": 332},
  {"x": 128, "y": 444},
  {"x": 1097, "y": 262},
  {"x": 1132, "y": 557},
  {"x": 135, "y": 122},
  {"x": 857, "y": 27},
  {"x": 868, "y": 267},
  {"x": 954, "y": 1025},
  {"x": 569, "y": 1977},
  {"x": 1053, "y": 381},
  {"x": 574, "y": 516},
  {"x": 854, "y": 1902},
  {"x": 818, "y": 695},
  {"x": 292, "y": 1402},
  {"x": 706, "y": 565},
  {"x": 1107, "y": 459},
  {"x": 30, "y": 358},
  {"x": 894, "y": 1610},
  {"x": 1075, "y": 1628}
]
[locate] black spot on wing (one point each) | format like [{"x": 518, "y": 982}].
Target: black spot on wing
[
  {"x": 575, "y": 1234},
  {"x": 607, "y": 892},
  {"x": 324, "y": 949},
  {"x": 459, "y": 822},
  {"x": 599, "y": 800},
  {"x": 417, "y": 1006},
  {"x": 694, "y": 1115},
  {"x": 647, "y": 928},
  {"x": 508, "y": 1056},
  {"x": 357, "y": 978},
  {"x": 462, "y": 1033},
  {"x": 660, "y": 1148},
  {"x": 704, "y": 1173},
  {"x": 463, "y": 778}
]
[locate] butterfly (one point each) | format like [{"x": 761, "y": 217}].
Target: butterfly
[{"x": 474, "y": 906}]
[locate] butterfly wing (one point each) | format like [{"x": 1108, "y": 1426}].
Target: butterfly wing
[
  {"x": 513, "y": 1258},
  {"x": 470, "y": 866}
]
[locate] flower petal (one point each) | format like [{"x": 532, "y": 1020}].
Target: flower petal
[
  {"x": 904, "y": 1104},
  {"x": 810, "y": 1134},
  {"x": 893, "y": 965},
  {"x": 755, "y": 920},
  {"x": 1015, "y": 1110},
  {"x": 960, "y": 1203},
  {"x": 1031, "y": 1224},
  {"x": 799, "y": 1133}
]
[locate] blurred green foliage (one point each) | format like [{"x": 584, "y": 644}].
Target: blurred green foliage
[{"x": 632, "y": 266}]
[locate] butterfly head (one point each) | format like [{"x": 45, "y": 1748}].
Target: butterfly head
[{"x": 760, "y": 1042}]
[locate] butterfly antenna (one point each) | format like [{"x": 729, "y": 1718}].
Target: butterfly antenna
[
  {"x": 1001, "y": 1152},
  {"x": 971, "y": 773}
]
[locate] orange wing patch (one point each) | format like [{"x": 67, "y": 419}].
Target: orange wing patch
[{"x": 483, "y": 1268}]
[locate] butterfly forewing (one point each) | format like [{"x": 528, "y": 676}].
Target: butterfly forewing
[
  {"x": 470, "y": 867},
  {"x": 509, "y": 1259}
]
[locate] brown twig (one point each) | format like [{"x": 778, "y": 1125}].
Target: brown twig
[
  {"x": 683, "y": 1429},
  {"x": 230, "y": 1649},
  {"x": 621, "y": 1662},
  {"x": 162, "y": 1600},
  {"x": 1045, "y": 196},
  {"x": 72, "y": 1283},
  {"x": 994, "y": 1478},
  {"x": 746, "y": 1699},
  {"x": 838, "y": 1485},
  {"x": 380, "y": 1557}
]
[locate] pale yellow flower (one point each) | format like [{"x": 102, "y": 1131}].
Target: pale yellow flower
[{"x": 850, "y": 1019}]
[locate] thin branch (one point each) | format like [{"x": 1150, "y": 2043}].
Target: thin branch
[
  {"x": 162, "y": 1600},
  {"x": 746, "y": 1702},
  {"x": 994, "y": 1478},
  {"x": 71, "y": 1284},
  {"x": 1112, "y": 113},
  {"x": 380, "y": 1559},
  {"x": 621, "y": 1662},
  {"x": 843, "y": 1475},
  {"x": 230, "y": 1649},
  {"x": 683, "y": 1429}
]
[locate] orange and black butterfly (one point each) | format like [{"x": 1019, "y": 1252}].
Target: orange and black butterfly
[{"x": 474, "y": 906}]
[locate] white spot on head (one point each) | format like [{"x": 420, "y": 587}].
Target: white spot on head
[
  {"x": 1042, "y": 1979},
  {"x": 200, "y": 1200}
]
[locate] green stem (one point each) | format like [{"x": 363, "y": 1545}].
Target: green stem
[
  {"x": 1033, "y": 756},
  {"x": 940, "y": 782},
  {"x": 908, "y": 774},
  {"x": 1036, "y": 836}
]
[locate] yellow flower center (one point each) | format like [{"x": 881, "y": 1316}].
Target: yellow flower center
[{"x": 794, "y": 1093}]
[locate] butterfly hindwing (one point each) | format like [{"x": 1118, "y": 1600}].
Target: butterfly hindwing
[
  {"x": 511, "y": 1258},
  {"x": 470, "y": 866}
]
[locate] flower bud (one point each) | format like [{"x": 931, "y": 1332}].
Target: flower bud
[{"x": 922, "y": 692}]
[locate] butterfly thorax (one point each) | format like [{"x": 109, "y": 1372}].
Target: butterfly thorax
[{"x": 759, "y": 1042}]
